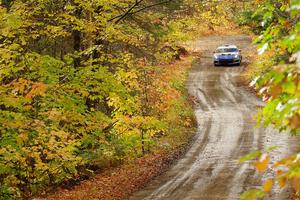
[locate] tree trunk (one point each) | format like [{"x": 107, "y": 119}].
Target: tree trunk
[
  {"x": 6, "y": 3},
  {"x": 77, "y": 40}
]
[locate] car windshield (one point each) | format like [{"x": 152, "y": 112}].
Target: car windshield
[{"x": 226, "y": 50}]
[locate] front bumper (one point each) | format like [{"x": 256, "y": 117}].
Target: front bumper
[{"x": 227, "y": 61}]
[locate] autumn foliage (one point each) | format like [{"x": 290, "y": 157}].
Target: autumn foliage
[
  {"x": 275, "y": 76},
  {"x": 81, "y": 88}
]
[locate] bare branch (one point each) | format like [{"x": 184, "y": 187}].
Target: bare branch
[
  {"x": 131, "y": 12},
  {"x": 122, "y": 16},
  {"x": 150, "y": 6}
]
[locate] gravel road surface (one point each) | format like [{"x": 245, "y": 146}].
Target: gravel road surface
[{"x": 226, "y": 131}]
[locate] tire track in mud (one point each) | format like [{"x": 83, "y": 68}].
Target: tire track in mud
[{"x": 226, "y": 131}]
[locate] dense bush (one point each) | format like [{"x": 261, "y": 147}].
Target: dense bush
[
  {"x": 81, "y": 85},
  {"x": 76, "y": 85}
]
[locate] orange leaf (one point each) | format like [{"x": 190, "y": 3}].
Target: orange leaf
[
  {"x": 276, "y": 90},
  {"x": 262, "y": 164},
  {"x": 281, "y": 162},
  {"x": 268, "y": 185},
  {"x": 295, "y": 182},
  {"x": 38, "y": 89},
  {"x": 279, "y": 173},
  {"x": 282, "y": 182},
  {"x": 295, "y": 121},
  {"x": 281, "y": 176}
]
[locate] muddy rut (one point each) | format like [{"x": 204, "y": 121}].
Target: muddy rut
[{"x": 226, "y": 131}]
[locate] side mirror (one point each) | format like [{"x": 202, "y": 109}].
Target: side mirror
[
  {"x": 214, "y": 51},
  {"x": 240, "y": 50}
]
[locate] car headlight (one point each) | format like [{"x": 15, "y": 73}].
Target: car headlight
[
  {"x": 216, "y": 57},
  {"x": 236, "y": 56}
]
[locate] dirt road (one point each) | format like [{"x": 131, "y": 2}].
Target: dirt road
[{"x": 210, "y": 170}]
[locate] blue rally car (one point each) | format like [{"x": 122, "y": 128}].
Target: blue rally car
[{"x": 227, "y": 55}]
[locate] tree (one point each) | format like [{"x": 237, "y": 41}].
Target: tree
[
  {"x": 276, "y": 77},
  {"x": 71, "y": 99}
]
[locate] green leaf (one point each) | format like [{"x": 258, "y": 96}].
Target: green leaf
[
  {"x": 289, "y": 87},
  {"x": 251, "y": 156}
]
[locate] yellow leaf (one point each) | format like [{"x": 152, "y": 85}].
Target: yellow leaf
[
  {"x": 23, "y": 137},
  {"x": 268, "y": 185},
  {"x": 262, "y": 164},
  {"x": 251, "y": 198}
]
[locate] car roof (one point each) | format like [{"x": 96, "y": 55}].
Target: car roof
[{"x": 227, "y": 46}]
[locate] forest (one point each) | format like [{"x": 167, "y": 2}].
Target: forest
[{"x": 87, "y": 85}]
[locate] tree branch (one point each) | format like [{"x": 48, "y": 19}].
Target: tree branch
[
  {"x": 122, "y": 16},
  {"x": 130, "y": 12},
  {"x": 150, "y": 6}
]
